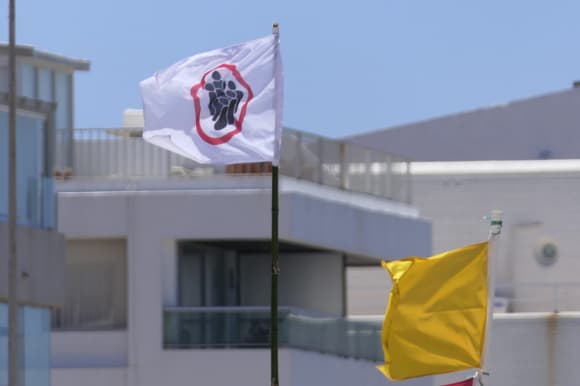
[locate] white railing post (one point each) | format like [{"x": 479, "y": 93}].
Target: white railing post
[
  {"x": 368, "y": 171},
  {"x": 299, "y": 155},
  {"x": 342, "y": 165},
  {"x": 408, "y": 183},
  {"x": 388, "y": 176},
  {"x": 320, "y": 147},
  {"x": 555, "y": 298}
]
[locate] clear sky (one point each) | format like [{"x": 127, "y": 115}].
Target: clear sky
[{"x": 350, "y": 66}]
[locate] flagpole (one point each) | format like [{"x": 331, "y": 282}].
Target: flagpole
[
  {"x": 275, "y": 266},
  {"x": 275, "y": 273},
  {"x": 495, "y": 225},
  {"x": 13, "y": 355}
]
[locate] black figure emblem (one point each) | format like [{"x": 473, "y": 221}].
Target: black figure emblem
[{"x": 224, "y": 99}]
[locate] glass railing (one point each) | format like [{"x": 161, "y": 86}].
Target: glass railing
[
  {"x": 538, "y": 297},
  {"x": 122, "y": 153},
  {"x": 249, "y": 327}
]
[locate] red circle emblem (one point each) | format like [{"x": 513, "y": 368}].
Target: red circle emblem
[{"x": 237, "y": 121}]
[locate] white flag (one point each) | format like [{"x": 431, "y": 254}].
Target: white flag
[{"x": 219, "y": 107}]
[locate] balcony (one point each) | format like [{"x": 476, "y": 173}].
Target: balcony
[
  {"x": 249, "y": 327},
  {"x": 121, "y": 154}
]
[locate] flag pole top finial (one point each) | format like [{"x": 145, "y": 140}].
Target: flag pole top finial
[
  {"x": 496, "y": 221},
  {"x": 275, "y": 28}
]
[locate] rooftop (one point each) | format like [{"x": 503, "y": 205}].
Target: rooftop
[
  {"x": 536, "y": 128},
  {"x": 111, "y": 157}
]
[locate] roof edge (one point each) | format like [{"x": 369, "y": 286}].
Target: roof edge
[
  {"x": 475, "y": 110},
  {"x": 31, "y": 52}
]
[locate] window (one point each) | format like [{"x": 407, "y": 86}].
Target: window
[
  {"x": 95, "y": 285},
  {"x": 35, "y": 356},
  {"x": 26, "y": 80},
  {"x": 63, "y": 100},
  {"x": 208, "y": 276},
  {"x": 3, "y": 78},
  {"x": 30, "y": 168},
  {"x": 45, "y": 85},
  {"x": 35, "y": 324},
  {"x": 30, "y": 153}
]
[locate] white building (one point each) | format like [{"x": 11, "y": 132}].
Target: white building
[
  {"x": 168, "y": 263},
  {"x": 523, "y": 158},
  {"x": 166, "y": 286},
  {"x": 535, "y": 180},
  {"x": 540, "y": 127},
  {"x": 538, "y": 264}
]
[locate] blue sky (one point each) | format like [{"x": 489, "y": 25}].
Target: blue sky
[{"x": 350, "y": 66}]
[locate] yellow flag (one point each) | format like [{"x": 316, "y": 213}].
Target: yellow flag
[{"x": 436, "y": 315}]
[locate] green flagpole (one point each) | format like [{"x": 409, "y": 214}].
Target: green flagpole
[
  {"x": 275, "y": 267},
  {"x": 275, "y": 273}
]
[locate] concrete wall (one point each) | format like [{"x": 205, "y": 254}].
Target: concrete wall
[
  {"x": 367, "y": 290},
  {"x": 532, "y": 350},
  {"x": 236, "y": 367},
  {"x": 89, "y": 377},
  {"x": 537, "y": 206},
  {"x": 89, "y": 349},
  {"x": 313, "y": 369},
  {"x": 539, "y": 127},
  {"x": 41, "y": 259},
  {"x": 151, "y": 221},
  {"x": 309, "y": 214}
]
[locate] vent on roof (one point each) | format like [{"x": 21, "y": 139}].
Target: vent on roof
[
  {"x": 133, "y": 118},
  {"x": 576, "y": 84}
]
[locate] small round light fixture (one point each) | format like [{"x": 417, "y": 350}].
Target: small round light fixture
[{"x": 546, "y": 252}]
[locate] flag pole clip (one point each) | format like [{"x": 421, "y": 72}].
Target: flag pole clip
[
  {"x": 495, "y": 222},
  {"x": 479, "y": 374}
]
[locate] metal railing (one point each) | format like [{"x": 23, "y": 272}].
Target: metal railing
[
  {"x": 122, "y": 153},
  {"x": 538, "y": 296},
  {"x": 249, "y": 327}
]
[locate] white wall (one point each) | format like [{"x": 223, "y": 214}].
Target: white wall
[
  {"x": 89, "y": 349},
  {"x": 152, "y": 220},
  {"x": 309, "y": 214},
  {"x": 536, "y": 206},
  {"x": 367, "y": 290},
  {"x": 313, "y": 369},
  {"x": 532, "y": 350},
  {"x": 252, "y": 367},
  {"x": 89, "y": 377},
  {"x": 526, "y": 349},
  {"x": 524, "y": 129}
]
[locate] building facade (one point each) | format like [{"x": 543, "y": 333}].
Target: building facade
[
  {"x": 44, "y": 91},
  {"x": 168, "y": 263},
  {"x": 539, "y": 127},
  {"x": 522, "y": 158}
]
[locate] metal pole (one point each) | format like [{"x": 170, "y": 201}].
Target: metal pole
[
  {"x": 275, "y": 267},
  {"x": 495, "y": 226},
  {"x": 275, "y": 273},
  {"x": 13, "y": 365}
]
